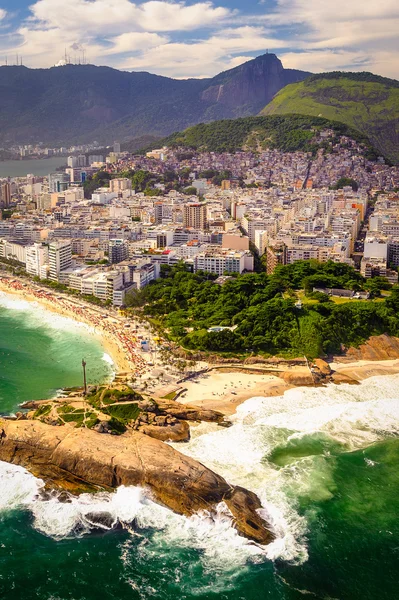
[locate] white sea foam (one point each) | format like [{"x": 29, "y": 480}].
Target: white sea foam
[
  {"x": 133, "y": 509},
  {"x": 106, "y": 358},
  {"x": 18, "y": 487},
  {"x": 34, "y": 314},
  {"x": 351, "y": 416}
]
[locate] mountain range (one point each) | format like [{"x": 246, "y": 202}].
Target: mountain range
[{"x": 82, "y": 103}]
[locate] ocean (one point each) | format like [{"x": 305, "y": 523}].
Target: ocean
[{"x": 324, "y": 462}]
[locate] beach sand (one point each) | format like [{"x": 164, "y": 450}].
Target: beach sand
[
  {"x": 364, "y": 369},
  {"x": 87, "y": 316},
  {"x": 218, "y": 389},
  {"x": 224, "y": 391}
]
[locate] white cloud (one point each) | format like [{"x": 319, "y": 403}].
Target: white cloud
[
  {"x": 189, "y": 38},
  {"x": 217, "y": 53},
  {"x": 102, "y": 16},
  {"x": 133, "y": 42},
  {"x": 340, "y": 34}
]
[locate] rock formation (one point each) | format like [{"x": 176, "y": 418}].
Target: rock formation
[
  {"x": 378, "y": 347},
  {"x": 177, "y": 481}
]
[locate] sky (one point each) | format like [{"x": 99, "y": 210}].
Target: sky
[{"x": 200, "y": 38}]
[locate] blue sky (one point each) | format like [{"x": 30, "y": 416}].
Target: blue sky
[{"x": 199, "y": 38}]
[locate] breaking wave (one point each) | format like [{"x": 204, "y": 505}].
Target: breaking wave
[{"x": 282, "y": 448}]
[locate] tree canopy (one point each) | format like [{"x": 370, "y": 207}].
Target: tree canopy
[{"x": 260, "y": 314}]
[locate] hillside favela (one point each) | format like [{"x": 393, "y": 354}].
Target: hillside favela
[{"x": 199, "y": 300}]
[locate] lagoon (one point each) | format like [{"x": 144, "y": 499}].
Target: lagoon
[{"x": 40, "y": 167}]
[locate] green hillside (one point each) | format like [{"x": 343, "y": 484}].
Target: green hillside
[
  {"x": 364, "y": 101},
  {"x": 288, "y": 133}
]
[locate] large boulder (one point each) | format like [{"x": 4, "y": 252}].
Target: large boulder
[
  {"x": 322, "y": 366},
  {"x": 298, "y": 378},
  {"x": 177, "y": 481},
  {"x": 179, "y": 431}
]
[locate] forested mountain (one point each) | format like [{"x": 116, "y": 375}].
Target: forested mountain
[
  {"x": 286, "y": 132},
  {"x": 367, "y": 102},
  {"x": 81, "y": 103}
]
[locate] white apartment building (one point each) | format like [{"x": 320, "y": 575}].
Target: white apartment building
[
  {"x": 12, "y": 250},
  {"x": 60, "y": 258},
  {"x": 37, "y": 258},
  {"x": 219, "y": 262},
  {"x": 144, "y": 274}
]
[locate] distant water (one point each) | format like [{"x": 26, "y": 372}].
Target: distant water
[
  {"x": 22, "y": 168},
  {"x": 324, "y": 462}
]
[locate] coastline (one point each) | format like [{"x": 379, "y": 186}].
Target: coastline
[
  {"x": 109, "y": 332},
  {"x": 222, "y": 391},
  {"x": 226, "y": 391}
]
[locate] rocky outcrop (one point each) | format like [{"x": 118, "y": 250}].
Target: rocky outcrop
[
  {"x": 166, "y": 431},
  {"x": 251, "y": 85},
  {"x": 322, "y": 367},
  {"x": 338, "y": 378},
  {"x": 184, "y": 411},
  {"x": 298, "y": 378},
  {"x": 379, "y": 347},
  {"x": 177, "y": 481}
]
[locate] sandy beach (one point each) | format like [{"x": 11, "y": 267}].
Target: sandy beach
[
  {"x": 364, "y": 369},
  {"x": 225, "y": 391},
  {"x": 221, "y": 390},
  {"x": 119, "y": 342}
]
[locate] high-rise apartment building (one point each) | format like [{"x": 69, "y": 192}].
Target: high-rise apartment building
[
  {"x": 58, "y": 182},
  {"x": 60, "y": 258},
  {"x": 118, "y": 250},
  {"x": 194, "y": 215},
  {"x": 5, "y": 194}
]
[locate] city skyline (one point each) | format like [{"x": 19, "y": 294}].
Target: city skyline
[{"x": 200, "y": 39}]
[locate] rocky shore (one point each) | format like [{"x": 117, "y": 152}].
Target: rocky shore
[{"x": 180, "y": 483}]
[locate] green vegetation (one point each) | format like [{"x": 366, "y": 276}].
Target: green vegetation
[
  {"x": 116, "y": 426},
  {"x": 170, "y": 396},
  {"x": 363, "y": 101},
  {"x": 42, "y": 411},
  {"x": 262, "y": 313},
  {"x": 123, "y": 412},
  {"x": 99, "y": 179},
  {"x": 84, "y": 103},
  {"x": 288, "y": 133},
  {"x": 80, "y": 416},
  {"x": 102, "y": 395},
  {"x": 346, "y": 182},
  {"x": 363, "y": 76}
]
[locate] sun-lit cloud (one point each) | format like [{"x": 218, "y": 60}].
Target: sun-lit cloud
[
  {"x": 101, "y": 16},
  {"x": 189, "y": 38}
]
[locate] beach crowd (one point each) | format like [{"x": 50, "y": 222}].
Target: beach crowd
[{"x": 124, "y": 335}]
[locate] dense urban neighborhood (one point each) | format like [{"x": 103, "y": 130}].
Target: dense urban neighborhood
[{"x": 105, "y": 225}]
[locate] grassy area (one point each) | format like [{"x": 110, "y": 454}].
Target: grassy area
[
  {"x": 371, "y": 107},
  {"x": 170, "y": 396},
  {"x": 123, "y": 412},
  {"x": 42, "y": 411}
]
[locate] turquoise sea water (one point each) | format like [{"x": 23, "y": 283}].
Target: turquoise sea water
[{"x": 323, "y": 461}]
